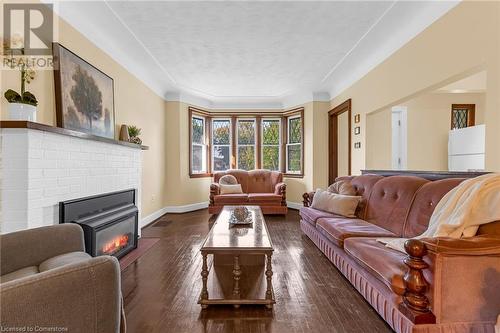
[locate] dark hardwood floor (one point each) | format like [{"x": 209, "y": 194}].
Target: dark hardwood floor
[{"x": 161, "y": 288}]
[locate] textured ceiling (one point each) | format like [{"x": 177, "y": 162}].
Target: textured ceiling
[{"x": 253, "y": 53}]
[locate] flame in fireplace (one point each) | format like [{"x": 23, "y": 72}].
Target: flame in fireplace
[{"x": 115, "y": 245}]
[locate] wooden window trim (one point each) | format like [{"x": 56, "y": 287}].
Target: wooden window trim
[
  {"x": 283, "y": 115},
  {"x": 471, "y": 113},
  {"x": 193, "y": 112},
  {"x": 286, "y": 115}
]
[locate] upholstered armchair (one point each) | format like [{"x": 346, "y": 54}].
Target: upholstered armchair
[
  {"x": 47, "y": 280},
  {"x": 262, "y": 188}
]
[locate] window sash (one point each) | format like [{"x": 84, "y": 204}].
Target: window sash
[
  {"x": 278, "y": 145},
  {"x": 254, "y": 145},
  {"x": 199, "y": 144},
  {"x": 287, "y": 161},
  {"x": 289, "y": 132},
  {"x": 214, "y": 146}
]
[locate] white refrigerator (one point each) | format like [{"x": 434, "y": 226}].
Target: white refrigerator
[{"x": 466, "y": 148}]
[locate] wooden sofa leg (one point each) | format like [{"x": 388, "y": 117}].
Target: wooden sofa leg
[{"x": 415, "y": 304}]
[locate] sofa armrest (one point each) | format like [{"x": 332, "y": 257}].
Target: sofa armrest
[
  {"x": 458, "y": 280},
  {"x": 214, "y": 190},
  {"x": 79, "y": 297},
  {"x": 472, "y": 246},
  {"x": 33, "y": 246},
  {"x": 280, "y": 189},
  {"x": 308, "y": 199}
]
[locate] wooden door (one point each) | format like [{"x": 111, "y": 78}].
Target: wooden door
[{"x": 339, "y": 141}]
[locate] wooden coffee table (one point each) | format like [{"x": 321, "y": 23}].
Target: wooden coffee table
[{"x": 240, "y": 272}]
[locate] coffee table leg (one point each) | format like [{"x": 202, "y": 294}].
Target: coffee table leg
[
  {"x": 236, "y": 277},
  {"x": 204, "y": 276},
  {"x": 269, "y": 275}
]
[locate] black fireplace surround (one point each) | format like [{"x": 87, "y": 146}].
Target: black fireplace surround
[{"x": 109, "y": 221}]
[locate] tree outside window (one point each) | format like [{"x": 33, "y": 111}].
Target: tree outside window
[{"x": 221, "y": 144}]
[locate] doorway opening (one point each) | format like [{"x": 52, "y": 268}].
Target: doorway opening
[
  {"x": 399, "y": 138},
  {"x": 339, "y": 141}
]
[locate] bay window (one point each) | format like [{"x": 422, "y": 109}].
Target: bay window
[{"x": 220, "y": 141}]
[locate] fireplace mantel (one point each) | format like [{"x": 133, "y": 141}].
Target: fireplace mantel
[{"x": 64, "y": 131}]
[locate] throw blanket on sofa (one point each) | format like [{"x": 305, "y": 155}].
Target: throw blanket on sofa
[{"x": 461, "y": 211}]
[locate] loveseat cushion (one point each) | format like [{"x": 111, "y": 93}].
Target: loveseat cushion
[
  {"x": 385, "y": 264},
  {"x": 20, "y": 273},
  {"x": 63, "y": 259},
  {"x": 230, "y": 198},
  {"x": 337, "y": 229},
  {"x": 265, "y": 198},
  {"x": 311, "y": 215}
]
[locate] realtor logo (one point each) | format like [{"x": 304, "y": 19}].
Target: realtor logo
[{"x": 30, "y": 22}]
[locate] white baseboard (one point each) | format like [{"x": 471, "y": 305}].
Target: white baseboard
[
  {"x": 171, "y": 209},
  {"x": 294, "y": 205}
]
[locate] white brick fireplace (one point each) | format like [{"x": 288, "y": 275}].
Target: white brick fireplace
[{"x": 41, "y": 168}]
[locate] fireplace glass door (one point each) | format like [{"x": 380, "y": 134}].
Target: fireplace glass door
[{"x": 116, "y": 238}]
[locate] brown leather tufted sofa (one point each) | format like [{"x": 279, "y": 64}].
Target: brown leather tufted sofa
[
  {"x": 452, "y": 286},
  {"x": 262, "y": 188}
]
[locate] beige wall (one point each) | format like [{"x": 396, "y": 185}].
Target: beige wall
[
  {"x": 428, "y": 125},
  {"x": 432, "y": 60},
  {"x": 378, "y": 140},
  {"x": 134, "y": 104}
]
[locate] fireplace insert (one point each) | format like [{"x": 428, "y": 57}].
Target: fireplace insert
[{"x": 109, "y": 221}]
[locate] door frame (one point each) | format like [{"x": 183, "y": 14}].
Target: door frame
[
  {"x": 333, "y": 131},
  {"x": 402, "y": 111}
]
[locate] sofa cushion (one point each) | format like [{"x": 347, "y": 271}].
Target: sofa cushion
[
  {"x": 230, "y": 189},
  {"x": 426, "y": 199},
  {"x": 228, "y": 180},
  {"x": 231, "y": 198},
  {"x": 363, "y": 185},
  {"x": 264, "y": 197},
  {"x": 63, "y": 259},
  {"x": 390, "y": 201},
  {"x": 240, "y": 175},
  {"x": 20, "y": 273},
  {"x": 263, "y": 181},
  {"x": 383, "y": 263},
  {"x": 337, "y": 229},
  {"x": 344, "y": 205},
  {"x": 311, "y": 215}
]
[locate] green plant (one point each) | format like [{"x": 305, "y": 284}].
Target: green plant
[
  {"x": 134, "y": 131},
  {"x": 27, "y": 73}
]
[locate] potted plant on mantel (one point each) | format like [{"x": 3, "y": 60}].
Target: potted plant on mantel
[{"x": 22, "y": 105}]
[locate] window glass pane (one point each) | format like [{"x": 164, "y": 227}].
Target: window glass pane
[
  {"x": 294, "y": 130},
  {"x": 221, "y": 130},
  {"x": 221, "y": 158},
  {"x": 271, "y": 132},
  {"x": 294, "y": 152},
  {"x": 197, "y": 159},
  {"x": 198, "y": 130},
  {"x": 246, "y": 132},
  {"x": 271, "y": 157},
  {"x": 246, "y": 157},
  {"x": 460, "y": 118}
]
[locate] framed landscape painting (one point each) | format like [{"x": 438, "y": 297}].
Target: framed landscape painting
[{"x": 84, "y": 95}]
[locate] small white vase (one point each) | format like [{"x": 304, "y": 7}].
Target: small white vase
[{"x": 21, "y": 111}]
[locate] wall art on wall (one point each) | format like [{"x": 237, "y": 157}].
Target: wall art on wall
[
  {"x": 357, "y": 130},
  {"x": 84, "y": 95},
  {"x": 357, "y": 145},
  {"x": 357, "y": 118}
]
